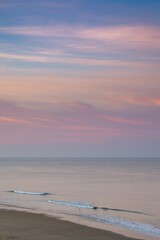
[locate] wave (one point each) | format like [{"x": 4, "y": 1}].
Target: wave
[
  {"x": 73, "y": 204},
  {"x": 77, "y": 204},
  {"x": 30, "y": 193},
  {"x": 90, "y": 206},
  {"x": 127, "y": 224}
]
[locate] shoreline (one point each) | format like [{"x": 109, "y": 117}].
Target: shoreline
[{"x": 32, "y": 226}]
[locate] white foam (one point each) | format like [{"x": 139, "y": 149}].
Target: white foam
[
  {"x": 31, "y": 193},
  {"x": 131, "y": 225},
  {"x": 73, "y": 204}
]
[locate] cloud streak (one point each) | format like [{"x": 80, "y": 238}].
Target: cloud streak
[
  {"x": 13, "y": 120},
  {"x": 138, "y": 36},
  {"x": 28, "y": 58},
  {"x": 61, "y": 93},
  {"x": 123, "y": 120},
  {"x": 77, "y": 61}
]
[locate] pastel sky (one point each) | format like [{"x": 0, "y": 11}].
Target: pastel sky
[{"x": 80, "y": 78}]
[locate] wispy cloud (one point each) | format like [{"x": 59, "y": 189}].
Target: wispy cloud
[
  {"x": 43, "y": 31},
  {"x": 72, "y": 60},
  {"x": 130, "y": 35},
  {"x": 86, "y": 128},
  {"x": 123, "y": 120},
  {"x": 13, "y": 120},
  {"x": 47, "y": 92},
  {"x": 44, "y": 120},
  {"x": 28, "y": 58},
  {"x": 121, "y": 35},
  {"x": 156, "y": 101}
]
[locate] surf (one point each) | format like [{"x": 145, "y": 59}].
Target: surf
[{"x": 30, "y": 193}]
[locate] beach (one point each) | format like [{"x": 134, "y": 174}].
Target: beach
[
  {"x": 30, "y": 226},
  {"x": 108, "y": 194}
]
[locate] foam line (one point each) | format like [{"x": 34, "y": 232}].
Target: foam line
[
  {"x": 127, "y": 224},
  {"x": 73, "y": 204},
  {"x": 30, "y": 193}
]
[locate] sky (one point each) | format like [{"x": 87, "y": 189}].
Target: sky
[{"x": 80, "y": 78}]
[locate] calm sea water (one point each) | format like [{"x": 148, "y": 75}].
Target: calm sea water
[{"x": 111, "y": 192}]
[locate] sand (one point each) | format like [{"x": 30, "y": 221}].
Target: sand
[{"x": 15, "y": 225}]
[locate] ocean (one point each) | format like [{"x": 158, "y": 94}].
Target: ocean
[{"x": 121, "y": 193}]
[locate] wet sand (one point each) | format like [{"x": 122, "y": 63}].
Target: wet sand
[{"x": 15, "y": 225}]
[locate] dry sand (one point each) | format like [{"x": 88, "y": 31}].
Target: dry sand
[{"x": 15, "y": 225}]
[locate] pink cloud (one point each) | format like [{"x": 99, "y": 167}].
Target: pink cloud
[
  {"x": 68, "y": 119},
  {"x": 86, "y": 128},
  {"x": 28, "y": 58},
  {"x": 156, "y": 101},
  {"x": 13, "y": 120},
  {"x": 123, "y": 120},
  {"x": 138, "y": 36},
  {"x": 68, "y": 60},
  {"x": 44, "y": 120},
  {"x": 75, "y": 104},
  {"x": 116, "y": 92}
]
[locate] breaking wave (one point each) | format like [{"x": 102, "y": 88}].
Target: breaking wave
[
  {"x": 73, "y": 204},
  {"x": 30, "y": 193},
  {"x": 90, "y": 206}
]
